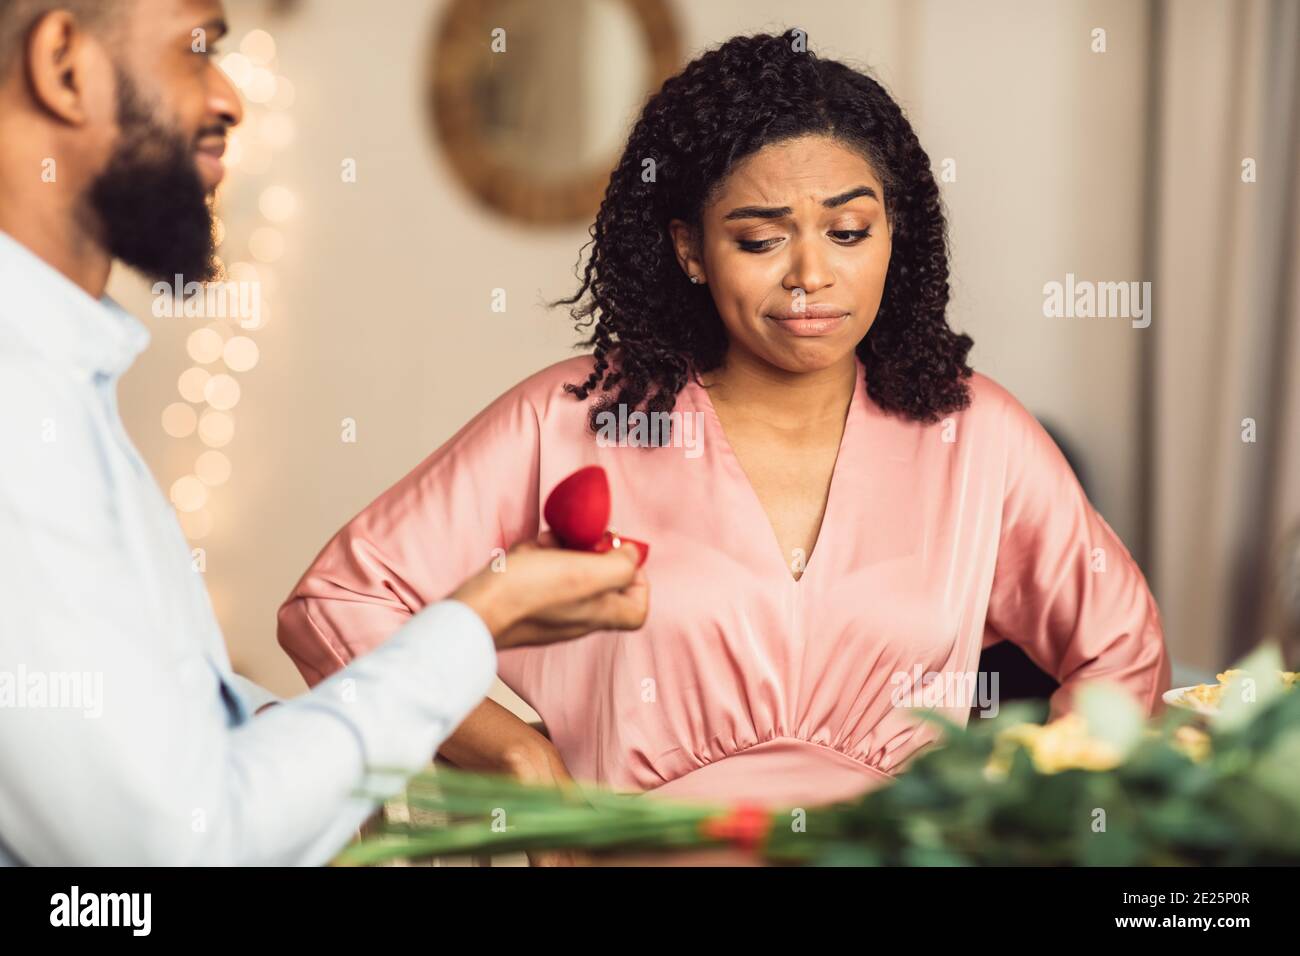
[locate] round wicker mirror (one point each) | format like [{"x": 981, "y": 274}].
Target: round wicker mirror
[{"x": 531, "y": 100}]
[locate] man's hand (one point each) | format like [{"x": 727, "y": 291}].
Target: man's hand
[{"x": 544, "y": 593}]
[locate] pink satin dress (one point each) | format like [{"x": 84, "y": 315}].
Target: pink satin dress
[{"x": 744, "y": 683}]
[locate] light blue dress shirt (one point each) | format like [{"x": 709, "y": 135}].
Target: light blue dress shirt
[{"x": 124, "y": 737}]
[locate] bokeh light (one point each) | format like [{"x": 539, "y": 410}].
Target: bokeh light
[
  {"x": 241, "y": 354},
  {"x": 189, "y": 494},
  {"x": 260, "y": 87},
  {"x": 212, "y": 468},
  {"x": 192, "y": 382},
  {"x": 258, "y": 46},
  {"x": 277, "y": 203},
  {"x": 195, "y": 524},
  {"x": 221, "y": 392},
  {"x": 266, "y": 244},
  {"x": 238, "y": 67},
  {"x": 179, "y": 420},
  {"x": 204, "y": 345},
  {"x": 216, "y": 429},
  {"x": 284, "y": 94}
]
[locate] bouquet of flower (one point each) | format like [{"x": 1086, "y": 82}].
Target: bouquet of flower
[{"x": 1097, "y": 787}]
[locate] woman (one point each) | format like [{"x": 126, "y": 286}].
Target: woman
[{"x": 842, "y": 508}]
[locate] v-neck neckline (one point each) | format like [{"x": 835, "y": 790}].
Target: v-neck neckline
[{"x": 850, "y": 417}]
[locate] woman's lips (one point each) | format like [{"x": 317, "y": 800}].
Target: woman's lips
[{"x": 813, "y": 320}]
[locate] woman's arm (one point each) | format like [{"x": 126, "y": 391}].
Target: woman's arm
[
  {"x": 494, "y": 740},
  {"x": 412, "y": 546},
  {"x": 1065, "y": 589}
]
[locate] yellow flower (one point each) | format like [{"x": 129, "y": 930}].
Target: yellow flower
[
  {"x": 1064, "y": 744},
  {"x": 1061, "y": 744},
  {"x": 1192, "y": 741}
]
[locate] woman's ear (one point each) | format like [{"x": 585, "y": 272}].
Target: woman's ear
[{"x": 686, "y": 245}]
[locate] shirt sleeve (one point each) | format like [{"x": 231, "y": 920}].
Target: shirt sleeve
[
  {"x": 1065, "y": 589},
  {"x": 458, "y": 510},
  {"x": 115, "y": 745}
]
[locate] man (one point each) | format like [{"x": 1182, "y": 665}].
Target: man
[{"x": 112, "y": 123}]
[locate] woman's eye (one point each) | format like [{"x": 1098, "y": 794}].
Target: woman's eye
[
  {"x": 848, "y": 236},
  {"x": 845, "y": 237}
]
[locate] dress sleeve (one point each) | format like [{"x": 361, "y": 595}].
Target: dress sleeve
[
  {"x": 1065, "y": 589},
  {"x": 419, "y": 540}
]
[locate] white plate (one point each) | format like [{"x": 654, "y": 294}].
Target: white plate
[{"x": 1174, "y": 698}]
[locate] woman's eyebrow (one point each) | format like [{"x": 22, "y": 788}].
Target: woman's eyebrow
[{"x": 776, "y": 212}]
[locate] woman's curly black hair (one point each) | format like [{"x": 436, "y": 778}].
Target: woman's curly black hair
[{"x": 725, "y": 105}]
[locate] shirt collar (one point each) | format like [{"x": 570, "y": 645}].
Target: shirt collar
[{"x": 50, "y": 315}]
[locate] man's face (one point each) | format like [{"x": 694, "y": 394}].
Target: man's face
[{"x": 174, "y": 106}]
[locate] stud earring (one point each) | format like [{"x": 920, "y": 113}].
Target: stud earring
[{"x": 695, "y": 280}]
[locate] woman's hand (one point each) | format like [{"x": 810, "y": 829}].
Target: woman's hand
[
  {"x": 543, "y": 593},
  {"x": 540, "y": 763},
  {"x": 493, "y": 740}
]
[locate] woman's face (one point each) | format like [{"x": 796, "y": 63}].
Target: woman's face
[{"x": 805, "y": 214}]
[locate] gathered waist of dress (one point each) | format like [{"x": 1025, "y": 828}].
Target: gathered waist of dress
[{"x": 777, "y": 773}]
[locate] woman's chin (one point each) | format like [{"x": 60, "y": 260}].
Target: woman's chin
[{"x": 808, "y": 356}]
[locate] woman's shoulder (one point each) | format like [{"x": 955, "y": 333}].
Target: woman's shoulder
[
  {"x": 999, "y": 419},
  {"x": 551, "y": 379},
  {"x": 541, "y": 397},
  {"x": 545, "y": 390},
  {"x": 992, "y": 402}
]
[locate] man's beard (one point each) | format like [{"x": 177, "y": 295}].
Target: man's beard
[{"x": 150, "y": 204}]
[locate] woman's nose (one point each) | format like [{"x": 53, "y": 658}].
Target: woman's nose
[{"x": 809, "y": 269}]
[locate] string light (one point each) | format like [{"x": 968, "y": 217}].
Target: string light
[
  {"x": 179, "y": 420},
  {"x": 189, "y": 494},
  {"x": 221, "y": 392},
  {"x": 196, "y": 524},
  {"x": 212, "y": 468},
  {"x": 216, "y": 429},
  {"x": 258, "y": 46},
  {"x": 261, "y": 86},
  {"x": 267, "y": 128},
  {"x": 238, "y": 67},
  {"x": 204, "y": 345},
  {"x": 277, "y": 203},
  {"x": 266, "y": 244},
  {"x": 192, "y": 382},
  {"x": 240, "y": 354},
  {"x": 284, "y": 94}
]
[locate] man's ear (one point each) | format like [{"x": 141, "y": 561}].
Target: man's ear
[{"x": 62, "y": 62}]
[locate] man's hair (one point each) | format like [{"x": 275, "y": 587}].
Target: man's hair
[{"x": 17, "y": 17}]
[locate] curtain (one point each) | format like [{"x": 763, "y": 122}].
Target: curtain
[{"x": 1222, "y": 396}]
